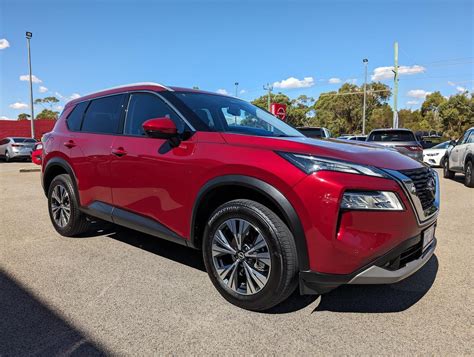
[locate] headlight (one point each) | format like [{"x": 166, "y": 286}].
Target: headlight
[
  {"x": 310, "y": 164},
  {"x": 371, "y": 200}
]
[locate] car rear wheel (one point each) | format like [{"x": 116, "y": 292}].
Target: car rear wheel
[
  {"x": 468, "y": 175},
  {"x": 63, "y": 206},
  {"x": 250, "y": 255},
  {"x": 447, "y": 173},
  {"x": 7, "y": 156}
]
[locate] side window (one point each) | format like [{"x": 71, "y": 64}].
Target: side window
[
  {"x": 145, "y": 106},
  {"x": 103, "y": 115},
  {"x": 74, "y": 119},
  {"x": 470, "y": 139}
]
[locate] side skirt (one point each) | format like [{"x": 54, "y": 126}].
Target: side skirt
[{"x": 133, "y": 221}]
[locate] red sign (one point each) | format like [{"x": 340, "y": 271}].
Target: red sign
[{"x": 278, "y": 110}]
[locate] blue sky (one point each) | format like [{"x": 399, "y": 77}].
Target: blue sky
[{"x": 83, "y": 46}]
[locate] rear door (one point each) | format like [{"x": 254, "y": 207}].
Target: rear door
[{"x": 89, "y": 145}]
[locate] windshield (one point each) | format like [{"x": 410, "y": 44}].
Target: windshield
[
  {"x": 392, "y": 135},
  {"x": 442, "y": 145},
  {"x": 24, "y": 140},
  {"x": 221, "y": 113}
]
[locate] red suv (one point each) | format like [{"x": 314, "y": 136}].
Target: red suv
[{"x": 270, "y": 209}]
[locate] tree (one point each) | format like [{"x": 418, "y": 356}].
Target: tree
[
  {"x": 47, "y": 114},
  {"x": 23, "y": 116},
  {"x": 457, "y": 114},
  {"x": 49, "y": 101}
]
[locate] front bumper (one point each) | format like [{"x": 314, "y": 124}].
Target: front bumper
[{"x": 394, "y": 266}]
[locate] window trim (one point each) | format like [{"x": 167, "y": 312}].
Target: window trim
[{"x": 118, "y": 132}]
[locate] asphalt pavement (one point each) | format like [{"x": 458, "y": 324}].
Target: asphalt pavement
[{"x": 115, "y": 291}]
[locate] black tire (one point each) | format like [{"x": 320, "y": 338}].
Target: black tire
[
  {"x": 282, "y": 279},
  {"x": 7, "y": 156},
  {"x": 77, "y": 222},
  {"x": 442, "y": 162},
  {"x": 468, "y": 175},
  {"x": 447, "y": 173}
]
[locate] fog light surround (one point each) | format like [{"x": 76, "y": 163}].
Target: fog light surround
[{"x": 371, "y": 200}]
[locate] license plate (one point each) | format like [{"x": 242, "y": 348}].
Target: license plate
[{"x": 428, "y": 236}]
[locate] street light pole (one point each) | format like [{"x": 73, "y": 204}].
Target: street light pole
[
  {"x": 269, "y": 88},
  {"x": 29, "y": 35},
  {"x": 366, "y": 61},
  {"x": 395, "y": 87},
  {"x": 236, "y": 88}
]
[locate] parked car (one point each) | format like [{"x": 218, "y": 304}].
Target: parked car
[
  {"x": 37, "y": 152},
  {"x": 436, "y": 155},
  {"x": 353, "y": 137},
  {"x": 403, "y": 140},
  {"x": 314, "y": 132},
  {"x": 270, "y": 209},
  {"x": 16, "y": 148},
  {"x": 461, "y": 158}
]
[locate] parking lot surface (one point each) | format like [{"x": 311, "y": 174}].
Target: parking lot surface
[{"x": 116, "y": 291}]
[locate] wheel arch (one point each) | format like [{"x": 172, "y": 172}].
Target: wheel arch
[
  {"x": 224, "y": 188},
  {"x": 58, "y": 166},
  {"x": 469, "y": 157}
]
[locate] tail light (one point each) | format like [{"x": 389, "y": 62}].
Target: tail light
[{"x": 414, "y": 148}]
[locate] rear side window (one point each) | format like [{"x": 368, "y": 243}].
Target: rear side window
[
  {"x": 145, "y": 106},
  {"x": 103, "y": 115},
  {"x": 74, "y": 119},
  {"x": 313, "y": 133},
  {"x": 392, "y": 135}
]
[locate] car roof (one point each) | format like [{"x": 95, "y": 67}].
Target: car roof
[
  {"x": 392, "y": 129},
  {"x": 151, "y": 86}
]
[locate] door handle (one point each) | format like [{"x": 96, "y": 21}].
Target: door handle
[
  {"x": 70, "y": 144},
  {"x": 119, "y": 152}
]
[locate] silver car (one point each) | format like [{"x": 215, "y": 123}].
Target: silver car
[
  {"x": 16, "y": 148},
  {"x": 402, "y": 140},
  {"x": 461, "y": 158}
]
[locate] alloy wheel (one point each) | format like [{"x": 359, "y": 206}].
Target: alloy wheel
[
  {"x": 241, "y": 256},
  {"x": 60, "y": 206}
]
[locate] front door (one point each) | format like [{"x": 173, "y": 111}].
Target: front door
[{"x": 149, "y": 177}]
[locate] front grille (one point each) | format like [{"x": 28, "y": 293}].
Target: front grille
[{"x": 420, "y": 178}]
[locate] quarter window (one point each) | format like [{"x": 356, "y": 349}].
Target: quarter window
[
  {"x": 142, "y": 107},
  {"x": 74, "y": 119},
  {"x": 103, "y": 115}
]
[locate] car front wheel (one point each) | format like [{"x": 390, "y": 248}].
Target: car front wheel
[
  {"x": 250, "y": 255},
  {"x": 468, "y": 175},
  {"x": 447, "y": 173}
]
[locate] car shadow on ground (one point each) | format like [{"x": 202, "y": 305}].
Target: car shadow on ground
[
  {"x": 29, "y": 327},
  {"x": 348, "y": 298}
]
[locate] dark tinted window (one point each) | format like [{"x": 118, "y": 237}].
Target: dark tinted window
[
  {"x": 103, "y": 115},
  {"x": 24, "y": 140},
  {"x": 74, "y": 119},
  {"x": 145, "y": 106},
  {"x": 312, "y": 133},
  {"x": 392, "y": 135}
]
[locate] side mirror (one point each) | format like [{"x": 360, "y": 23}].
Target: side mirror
[
  {"x": 453, "y": 142},
  {"x": 160, "y": 128}
]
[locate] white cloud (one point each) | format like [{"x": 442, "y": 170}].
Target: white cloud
[
  {"x": 413, "y": 102},
  {"x": 222, "y": 91},
  {"x": 418, "y": 93},
  {"x": 381, "y": 73},
  {"x": 59, "y": 95},
  {"x": 18, "y": 105},
  {"x": 58, "y": 108},
  {"x": 3, "y": 117},
  {"x": 74, "y": 96},
  {"x": 293, "y": 82},
  {"x": 243, "y": 91},
  {"x": 42, "y": 89},
  {"x": 334, "y": 80},
  {"x": 34, "y": 79},
  {"x": 461, "y": 89},
  {"x": 4, "y": 43},
  {"x": 452, "y": 84}
]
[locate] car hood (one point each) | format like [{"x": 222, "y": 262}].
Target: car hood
[
  {"x": 357, "y": 152},
  {"x": 431, "y": 151}
]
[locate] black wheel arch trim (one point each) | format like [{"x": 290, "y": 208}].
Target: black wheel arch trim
[
  {"x": 60, "y": 162},
  {"x": 270, "y": 192}
]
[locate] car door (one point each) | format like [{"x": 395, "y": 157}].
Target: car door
[
  {"x": 456, "y": 155},
  {"x": 88, "y": 147},
  {"x": 150, "y": 178}
]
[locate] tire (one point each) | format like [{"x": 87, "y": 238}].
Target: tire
[
  {"x": 61, "y": 195},
  {"x": 7, "y": 156},
  {"x": 279, "y": 264},
  {"x": 447, "y": 173},
  {"x": 468, "y": 175},
  {"x": 442, "y": 162}
]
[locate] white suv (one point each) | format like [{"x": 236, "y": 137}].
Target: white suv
[{"x": 461, "y": 158}]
